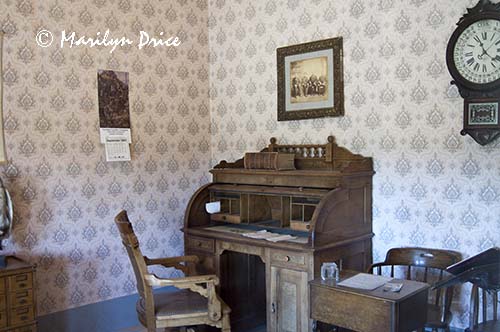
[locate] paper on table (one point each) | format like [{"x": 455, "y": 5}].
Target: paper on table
[
  {"x": 265, "y": 235},
  {"x": 281, "y": 238},
  {"x": 365, "y": 281}
]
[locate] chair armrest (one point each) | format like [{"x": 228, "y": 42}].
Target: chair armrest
[
  {"x": 171, "y": 261},
  {"x": 174, "y": 262},
  {"x": 380, "y": 264},
  {"x": 185, "y": 282}
]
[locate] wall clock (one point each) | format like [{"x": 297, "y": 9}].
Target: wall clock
[{"x": 473, "y": 59}]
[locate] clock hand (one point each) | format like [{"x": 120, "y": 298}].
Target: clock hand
[
  {"x": 485, "y": 52},
  {"x": 498, "y": 40}
]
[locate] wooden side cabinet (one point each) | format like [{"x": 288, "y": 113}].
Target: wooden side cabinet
[{"x": 17, "y": 297}]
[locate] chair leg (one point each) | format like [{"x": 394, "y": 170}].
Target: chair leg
[{"x": 226, "y": 325}]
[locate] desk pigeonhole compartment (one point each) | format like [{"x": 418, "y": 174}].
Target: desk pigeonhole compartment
[
  {"x": 230, "y": 207},
  {"x": 302, "y": 212}
]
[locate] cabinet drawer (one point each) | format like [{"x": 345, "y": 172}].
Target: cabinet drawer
[
  {"x": 21, "y": 315},
  {"x": 2, "y": 285},
  {"x": 232, "y": 218},
  {"x": 20, "y": 281},
  {"x": 3, "y": 301},
  {"x": 21, "y": 298},
  {"x": 3, "y": 319},
  {"x": 29, "y": 328},
  {"x": 288, "y": 259},
  {"x": 200, "y": 243}
]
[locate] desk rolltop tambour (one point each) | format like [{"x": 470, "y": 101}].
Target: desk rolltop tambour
[{"x": 327, "y": 201}]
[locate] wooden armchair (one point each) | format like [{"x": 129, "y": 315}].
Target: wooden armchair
[
  {"x": 427, "y": 265},
  {"x": 491, "y": 324},
  {"x": 195, "y": 301}
]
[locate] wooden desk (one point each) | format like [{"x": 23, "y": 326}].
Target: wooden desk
[
  {"x": 369, "y": 311},
  {"x": 326, "y": 202}
]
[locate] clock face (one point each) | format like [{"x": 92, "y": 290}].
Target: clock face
[{"x": 477, "y": 52}]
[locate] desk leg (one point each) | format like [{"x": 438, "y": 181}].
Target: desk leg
[{"x": 314, "y": 325}]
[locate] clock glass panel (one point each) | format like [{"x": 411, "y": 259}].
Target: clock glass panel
[
  {"x": 483, "y": 113},
  {"x": 477, "y": 52}
]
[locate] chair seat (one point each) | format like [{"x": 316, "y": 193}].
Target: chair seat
[
  {"x": 491, "y": 326},
  {"x": 182, "y": 302}
]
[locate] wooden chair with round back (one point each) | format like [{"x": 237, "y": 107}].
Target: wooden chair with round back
[
  {"x": 194, "y": 302},
  {"x": 426, "y": 265},
  {"x": 489, "y": 321}
]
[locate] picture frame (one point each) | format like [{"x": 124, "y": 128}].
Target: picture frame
[
  {"x": 3, "y": 158},
  {"x": 311, "y": 80}
]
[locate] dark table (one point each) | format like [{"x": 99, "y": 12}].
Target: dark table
[{"x": 369, "y": 311}]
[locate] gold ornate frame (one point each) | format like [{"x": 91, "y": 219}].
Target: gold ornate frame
[{"x": 338, "y": 80}]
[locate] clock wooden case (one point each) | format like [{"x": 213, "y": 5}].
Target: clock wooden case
[{"x": 473, "y": 59}]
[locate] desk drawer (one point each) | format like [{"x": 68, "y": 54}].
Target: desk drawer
[
  {"x": 20, "y": 281},
  {"x": 289, "y": 259},
  {"x": 3, "y": 319},
  {"x": 200, "y": 243},
  {"x": 226, "y": 217},
  {"x": 21, "y": 298},
  {"x": 22, "y": 315}
]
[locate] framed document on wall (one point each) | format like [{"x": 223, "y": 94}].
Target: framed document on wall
[{"x": 2, "y": 143}]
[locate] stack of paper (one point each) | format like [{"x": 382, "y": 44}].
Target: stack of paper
[{"x": 265, "y": 235}]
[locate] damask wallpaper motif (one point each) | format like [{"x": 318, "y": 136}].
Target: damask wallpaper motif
[
  {"x": 65, "y": 193},
  {"x": 433, "y": 187}
]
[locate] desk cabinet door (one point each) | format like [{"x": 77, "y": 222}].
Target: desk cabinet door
[{"x": 289, "y": 300}]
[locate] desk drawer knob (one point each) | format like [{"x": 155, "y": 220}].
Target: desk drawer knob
[{"x": 287, "y": 258}]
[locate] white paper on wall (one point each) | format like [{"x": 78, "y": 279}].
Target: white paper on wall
[{"x": 117, "y": 148}]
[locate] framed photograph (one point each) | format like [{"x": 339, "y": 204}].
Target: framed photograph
[{"x": 311, "y": 80}]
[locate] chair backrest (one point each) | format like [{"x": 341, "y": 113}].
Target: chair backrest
[
  {"x": 425, "y": 258},
  {"x": 131, "y": 244},
  {"x": 481, "y": 304},
  {"x": 426, "y": 265}
]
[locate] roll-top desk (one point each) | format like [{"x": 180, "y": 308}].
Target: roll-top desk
[{"x": 325, "y": 203}]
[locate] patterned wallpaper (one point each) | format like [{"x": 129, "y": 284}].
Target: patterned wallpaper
[
  {"x": 433, "y": 187},
  {"x": 65, "y": 193}
]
